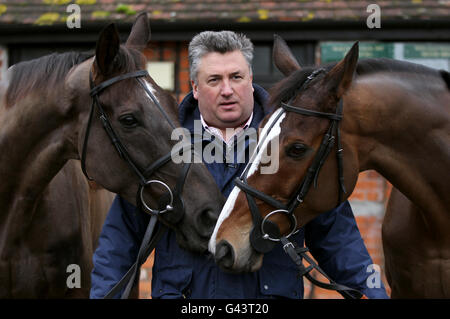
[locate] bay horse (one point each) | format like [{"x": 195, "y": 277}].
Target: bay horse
[
  {"x": 381, "y": 114},
  {"x": 109, "y": 113}
]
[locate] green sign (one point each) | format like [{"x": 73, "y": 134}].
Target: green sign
[
  {"x": 335, "y": 51},
  {"x": 427, "y": 51}
]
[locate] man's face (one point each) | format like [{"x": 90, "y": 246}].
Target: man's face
[{"x": 224, "y": 89}]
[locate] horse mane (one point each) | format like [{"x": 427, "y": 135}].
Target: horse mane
[
  {"x": 289, "y": 86},
  {"x": 49, "y": 71},
  {"x": 43, "y": 72}
]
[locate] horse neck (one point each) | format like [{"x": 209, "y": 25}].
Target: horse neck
[
  {"x": 33, "y": 145},
  {"x": 401, "y": 129}
]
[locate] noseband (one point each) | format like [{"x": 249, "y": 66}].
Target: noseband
[
  {"x": 171, "y": 200},
  {"x": 265, "y": 234}
]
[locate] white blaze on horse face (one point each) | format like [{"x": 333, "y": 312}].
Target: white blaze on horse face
[
  {"x": 226, "y": 210},
  {"x": 151, "y": 89},
  {"x": 270, "y": 132},
  {"x": 4, "y": 83}
]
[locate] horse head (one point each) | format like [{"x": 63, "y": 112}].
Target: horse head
[
  {"x": 267, "y": 205},
  {"x": 124, "y": 138}
]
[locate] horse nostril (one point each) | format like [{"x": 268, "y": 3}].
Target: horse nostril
[
  {"x": 206, "y": 222},
  {"x": 224, "y": 254}
]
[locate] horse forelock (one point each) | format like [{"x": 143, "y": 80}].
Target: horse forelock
[
  {"x": 130, "y": 60},
  {"x": 288, "y": 87},
  {"x": 127, "y": 60}
]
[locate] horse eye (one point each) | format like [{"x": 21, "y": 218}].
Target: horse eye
[
  {"x": 128, "y": 120},
  {"x": 296, "y": 150}
]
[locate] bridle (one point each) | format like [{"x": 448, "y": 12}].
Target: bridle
[
  {"x": 265, "y": 234},
  {"x": 171, "y": 201}
]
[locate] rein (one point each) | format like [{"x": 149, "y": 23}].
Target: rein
[
  {"x": 171, "y": 201},
  {"x": 265, "y": 234}
]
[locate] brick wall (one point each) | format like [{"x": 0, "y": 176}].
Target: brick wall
[
  {"x": 176, "y": 52},
  {"x": 368, "y": 202},
  {"x": 368, "y": 199},
  {"x": 145, "y": 283}
]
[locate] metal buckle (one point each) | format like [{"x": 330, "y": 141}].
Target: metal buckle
[
  {"x": 290, "y": 216},
  {"x": 287, "y": 246},
  {"x": 169, "y": 206}
]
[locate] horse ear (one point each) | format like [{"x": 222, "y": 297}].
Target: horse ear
[
  {"x": 340, "y": 77},
  {"x": 446, "y": 76},
  {"x": 282, "y": 56},
  {"x": 140, "y": 33},
  {"x": 107, "y": 47}
]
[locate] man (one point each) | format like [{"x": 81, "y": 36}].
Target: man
[{"x": 226, "y": 103}]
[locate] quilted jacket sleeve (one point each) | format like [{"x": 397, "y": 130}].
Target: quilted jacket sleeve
[
  {"x": 118, "y": 246},
  {"x": 335, "y": 242}
]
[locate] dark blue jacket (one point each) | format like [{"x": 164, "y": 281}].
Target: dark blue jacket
[{"x": 333, "y": 238}]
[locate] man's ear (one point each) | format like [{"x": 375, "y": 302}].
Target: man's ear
[
  {"x": 140, "y": 33},
  {"x": 282, "y": 57},
  {"x": 340, "y": 77},
  {"x": 107, "y": 48},
  {"x": 194, "y": 90}
]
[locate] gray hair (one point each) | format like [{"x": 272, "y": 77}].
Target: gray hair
[{"x": 222, "y": 42}]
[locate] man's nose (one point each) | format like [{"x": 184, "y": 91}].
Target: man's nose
[{"x": 226, "y": 89}]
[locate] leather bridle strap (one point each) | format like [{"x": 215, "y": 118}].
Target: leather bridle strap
[
  {"x": 265, "y": 233},
  {"x": 258, "y": 194},
  {"x": 328, "y": 142},
  {"x": 121, "y": 149},
  {"x": 307, "y": 112},
  {"x": 148, "y": 244},
  {"x": 175, "y": 204},
  {"x": 100, "y": 87},
  {"x": 296, "y": 253},
  {"x": 105, "y": 122}
]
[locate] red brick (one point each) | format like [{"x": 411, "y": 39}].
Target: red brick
[
  {"x": 184, "y": 76},
  {"x": 168, "y": 54},
  {"x": 184, "y": 63}
]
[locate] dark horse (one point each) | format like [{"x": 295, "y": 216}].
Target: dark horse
[
  {"x": 50, "y": 217},
  {"x": 396, "y": 120}
]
